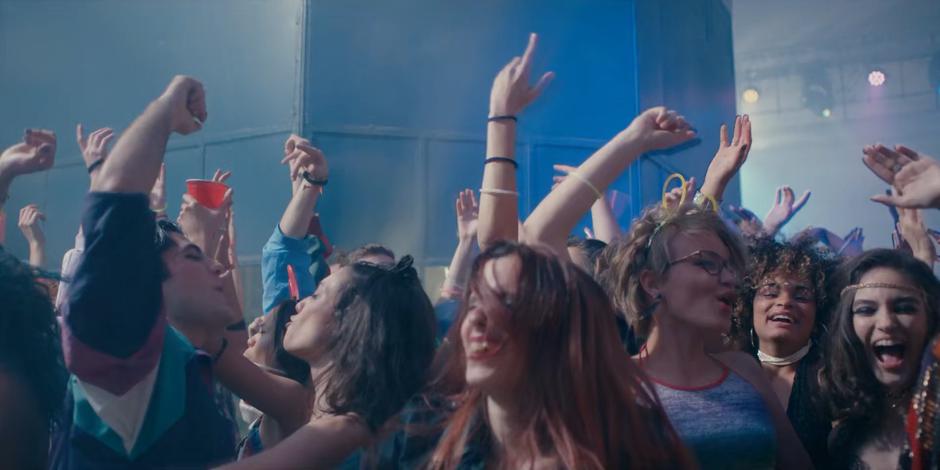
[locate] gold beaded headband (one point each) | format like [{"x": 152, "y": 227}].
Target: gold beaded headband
[{"x": 888, "y": 285}]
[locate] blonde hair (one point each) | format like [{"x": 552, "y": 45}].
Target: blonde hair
[{"x": 646, "y": 247}]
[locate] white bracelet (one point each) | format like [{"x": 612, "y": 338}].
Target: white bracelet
[
  {"x": 587, "y": 183},
  {"x": 499, "y": 192}
]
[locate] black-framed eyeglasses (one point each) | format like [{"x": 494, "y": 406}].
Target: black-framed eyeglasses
[{"x": 708, "y": 261}]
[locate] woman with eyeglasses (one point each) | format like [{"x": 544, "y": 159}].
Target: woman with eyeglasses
[
  {"x": 781, "y": 318},
  {"x": 675, "y": 276}
]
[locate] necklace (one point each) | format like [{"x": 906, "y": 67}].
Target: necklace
[{"x": 784, "y": 361}]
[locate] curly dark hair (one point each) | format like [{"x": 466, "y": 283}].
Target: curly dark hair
[
  {"x": 799, "y": 257},
  {"x": 850, "y": 386},
  {"x": 30, "y": 347},
  {"x": 382, "y": 344}
]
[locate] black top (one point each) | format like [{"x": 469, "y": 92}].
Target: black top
[{"x": 807, "y": 413}]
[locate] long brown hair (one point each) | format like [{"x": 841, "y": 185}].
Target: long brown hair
[
  {"x": 853, "y": 392},
  {"x": 583, "y": 400}
]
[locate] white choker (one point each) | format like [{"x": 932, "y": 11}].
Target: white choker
[{"x": 784, "y": 361}]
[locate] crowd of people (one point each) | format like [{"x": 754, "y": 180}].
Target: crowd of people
[{"x": 698, "y": 337}]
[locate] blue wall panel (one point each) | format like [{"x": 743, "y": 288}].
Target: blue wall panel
[
  {"x": 101, "y": 61},
  {"x": 423, "y": 69}
]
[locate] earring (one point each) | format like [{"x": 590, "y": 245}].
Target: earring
[{"x": 752, "y": 335}]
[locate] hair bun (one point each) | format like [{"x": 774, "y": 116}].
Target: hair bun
[{"x": 404, "y": 268}]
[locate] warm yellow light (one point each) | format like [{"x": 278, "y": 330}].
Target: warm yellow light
[{"x": 750, "y": 95}]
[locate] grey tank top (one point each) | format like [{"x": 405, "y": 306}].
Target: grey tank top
[{"x": 725, "y": 424}]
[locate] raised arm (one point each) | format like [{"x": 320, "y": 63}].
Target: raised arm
[
  {"x": 113, "y": 328},
  {"x": 29, "y": 223},
  {"x": 204, "y": 226},
  {"x": 603, "y": 220},
  {"x": 461, "y": 264},
  {"x": 94, "y": 150},
  {"x": 135, "y": 162},
  {"x": 290, "y": 243},
  {"x": 35, "y": 153},
  {"x": 557, "y": 214},
  {"x": 916, "y": 175},
  {"x": 914, "y": 232},
  {"x": 499, "y": 197},
  {"x": 729, "y": 157},
  {"x": 785, "y": 207},
  {"x": 309, "y": 173}
]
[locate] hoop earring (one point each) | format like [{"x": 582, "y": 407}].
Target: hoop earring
[{"x": 752, "y": 336}]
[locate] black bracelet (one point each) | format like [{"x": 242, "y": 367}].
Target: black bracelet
[
  {"x": 218, "y": 355},
  {"x": 507, "y": 117},
  {"x": 309, "y": 178},
  {"x": 94, "y": 165},
  {"x": 501, "y": 160}
]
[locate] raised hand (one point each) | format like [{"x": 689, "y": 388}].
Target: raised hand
[
  {"x": 914, "y": 233},
  {"x": 29, "y": 223},
  {"x": 729, "y": 157},
  {"x": 467, "y": 212},
  {"x": 916, "y": 176},
  {"x": 511, "y": 92},
  {"x": 35, "y": 153},
  {"x": 301, "y": 157},
  {"x": 204, "y": 226},
  {"x": 785, "y": 207},
  {"x": 186, "y": 100},
  {"x": 95, "y": 147},
  {"x": 853, "y": 243},
  {"x": 674, "y": 197},
  {"x": 659, "y": 128}
]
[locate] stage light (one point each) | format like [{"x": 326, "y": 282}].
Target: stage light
[
  {"x": 876, "y": 77},
  {"x": 750, "y": 95},
  {"x": 826, "y": 112}
]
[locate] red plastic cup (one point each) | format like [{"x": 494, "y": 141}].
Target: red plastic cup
[{"x": 207, "y": 192}]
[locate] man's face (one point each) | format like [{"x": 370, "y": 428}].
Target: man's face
[{"x": 193, "y": 294}]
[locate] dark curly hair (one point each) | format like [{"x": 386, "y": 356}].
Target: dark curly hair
[
  {"x": 798, "y": 257},
  {"x": 382, "y": 344},
  {"x": 850, "y": 386},
  {"x": 30, "y": 347}
]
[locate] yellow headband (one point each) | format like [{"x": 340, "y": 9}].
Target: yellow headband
[
  {"x": 887, "y": 285},
  {"x": 700, "y": 199}
]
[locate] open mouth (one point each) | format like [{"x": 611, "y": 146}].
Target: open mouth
[
  {"x": 782, "y": 318},
  {"x": 889, "y": 353},
  {"x": 480, "y": 348}
]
